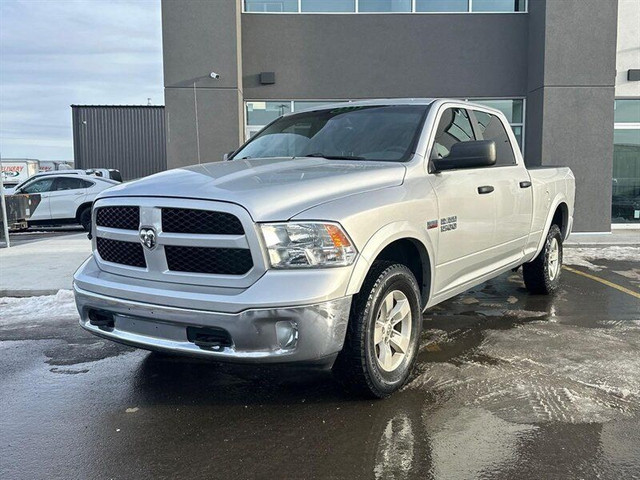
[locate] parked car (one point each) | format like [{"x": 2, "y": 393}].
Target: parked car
[
  {"x": 64, "y": 198},
  {"x": 324, "y": 238},
  {"x": 98, "y": 172}
]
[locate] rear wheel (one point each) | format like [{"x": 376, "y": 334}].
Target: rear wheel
[
  {"x": 542, "y": 275},
  {"x": 383, "y": 334},
  {"x": 85, "y": 219}
]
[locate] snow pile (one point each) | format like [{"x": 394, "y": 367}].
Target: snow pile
[
  {"x": 37, "y": 309},
  {"x": 528, "y": 375},
  {"x": 582, "y": 256}
]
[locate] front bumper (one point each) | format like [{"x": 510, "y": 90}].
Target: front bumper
[{"x": 317, "y": 331}]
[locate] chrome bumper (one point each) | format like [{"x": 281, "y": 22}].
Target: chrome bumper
[{"x": 313, "y": 333}]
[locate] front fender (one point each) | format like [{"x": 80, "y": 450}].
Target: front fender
[{"x": 386, "y": 235}]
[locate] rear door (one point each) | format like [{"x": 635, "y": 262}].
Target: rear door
[
  {"x": 67, "y": 195},
  {"x": 43, "y": 188},
  {"x": 512, "y": 190},
  {"x": 466, "y": 209}
]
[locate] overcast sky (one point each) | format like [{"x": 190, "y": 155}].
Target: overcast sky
[{"x": 54, "y": 53}]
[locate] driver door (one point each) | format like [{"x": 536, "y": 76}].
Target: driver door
[
  {"x": 43, "y": 188},
  {"x": 467, "y": 213}
]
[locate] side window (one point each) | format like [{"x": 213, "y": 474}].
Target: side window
[
  {"x": 39, "y": 186},
  {"x": 65, "y": 183},
  {"x": 491, "y": 128},
  {"x": 454, "y": 127}
]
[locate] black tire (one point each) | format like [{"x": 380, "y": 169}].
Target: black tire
[
  {"x": 356, "y": 367},
  {"x": 85, "y": 219},
  {"x": 537, "y": 275}
]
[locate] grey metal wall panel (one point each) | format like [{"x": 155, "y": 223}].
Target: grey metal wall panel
[
  {"x": 363, "y": 56},
  {"x": 570, "y": 101},
  {"x": 131, "y": 139},
  {"x": 204, "y": 115}
]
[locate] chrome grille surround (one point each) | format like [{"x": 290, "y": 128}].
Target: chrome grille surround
[{"x": 156, "y": 260}]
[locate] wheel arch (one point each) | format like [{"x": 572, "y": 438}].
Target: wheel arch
[
  {"x": 81, "y": 208},
  {"x": 559, "y": 212},
  {"x": 397, "y": 244}
]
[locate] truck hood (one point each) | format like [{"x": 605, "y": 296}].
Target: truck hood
[{"x": 272, "y": 189}]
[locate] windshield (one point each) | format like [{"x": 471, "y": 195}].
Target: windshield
[{"x": 386, "y": 132}]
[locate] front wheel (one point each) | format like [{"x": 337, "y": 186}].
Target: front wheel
[
  {"x": 542, "y": 275},
  {"x": 85, "y": 219},
  {"x": 383, "y": 333}
]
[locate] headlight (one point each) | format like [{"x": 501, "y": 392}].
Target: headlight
[{"x": 307, "y": 245}]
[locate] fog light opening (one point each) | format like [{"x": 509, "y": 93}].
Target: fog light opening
[
  {"x": 287, "y": 334},
  {"x": 102, "y": 320}
]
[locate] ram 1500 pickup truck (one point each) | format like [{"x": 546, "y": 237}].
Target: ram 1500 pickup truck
[{"x": 323, "y": 239}]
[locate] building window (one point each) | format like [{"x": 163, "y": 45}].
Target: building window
[
  {"x": 325, "y": 6},
  {"x": 260, "y": 114},
  {"x": 385, "y": 6},
  {"x": 498, "y": 5},
  {"x": 442, "y": 6},
  {"x": 270, "y": 6},
  {"x": 625, "y": 204}
]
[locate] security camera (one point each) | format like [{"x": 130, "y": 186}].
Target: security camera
[{"x": 214, "y": 75}]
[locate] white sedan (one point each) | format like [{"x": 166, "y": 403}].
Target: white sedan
[{"x": 64, "y": 199}]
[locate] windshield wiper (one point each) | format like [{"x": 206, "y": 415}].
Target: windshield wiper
[{"x": 335, "y": 157}]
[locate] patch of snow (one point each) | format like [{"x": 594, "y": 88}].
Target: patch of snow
[
  {"x": 582, "y": 257},
  {"x": 37, "y": 310}
]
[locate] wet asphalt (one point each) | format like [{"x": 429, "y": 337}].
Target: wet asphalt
[{"x": 508, "y": 386}]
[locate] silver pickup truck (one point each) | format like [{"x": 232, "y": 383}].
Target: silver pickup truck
[{"x": 324, "y": 238}]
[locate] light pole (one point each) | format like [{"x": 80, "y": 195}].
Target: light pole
[{"x": 3, "y": 207}]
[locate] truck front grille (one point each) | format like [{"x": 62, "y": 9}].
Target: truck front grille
[
  {"x": 187, "y": 241},
  {"x": 187, "y": 220},
  {"x": 125, "y": 218},
  {"x": 215, "y": 261},
  {"x": 124, "y": 253}
]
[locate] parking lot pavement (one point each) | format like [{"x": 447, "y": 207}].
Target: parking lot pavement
[
  {"x": 508, "y": 385},
  {"x": 43, "y": 264}
]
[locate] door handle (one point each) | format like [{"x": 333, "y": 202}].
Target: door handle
[
  {"x": 525, "y": 184},
  {"x": 485, "y": 189}
]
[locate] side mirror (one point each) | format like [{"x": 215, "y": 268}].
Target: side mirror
[
  {"x": 478, "y": 153},
  {"x": 225, "y": 157}
]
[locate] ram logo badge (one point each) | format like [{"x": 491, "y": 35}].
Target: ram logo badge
[{"x": 148, "y": 237}]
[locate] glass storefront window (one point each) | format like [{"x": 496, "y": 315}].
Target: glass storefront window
[
  {"x": 271, "y": 6},
  {"x": 328, "y": 5},
  {"x": 263, "y": 113},
  {"x": 627, "y": 111},
  {"x": 625, "y": 205},
  {"x": 442, "y": 5},
  {"x": 299, "y": 105},
  {"x": 384, "y": 6},
  {"x": 498, "y": 5}
]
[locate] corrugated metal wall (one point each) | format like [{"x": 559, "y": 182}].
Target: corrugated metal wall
[{"x": 128, "y": 138}]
